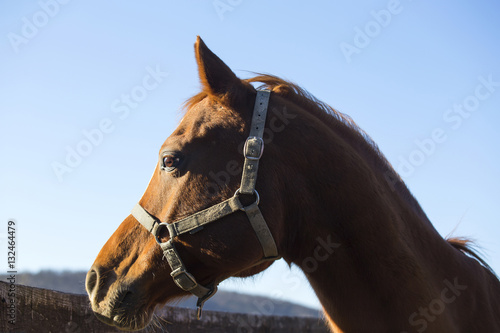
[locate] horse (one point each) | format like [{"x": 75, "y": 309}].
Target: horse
[{"x": 325, "y": 199}]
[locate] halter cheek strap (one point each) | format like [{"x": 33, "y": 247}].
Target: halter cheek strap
[{"x": 253, "y": 149}]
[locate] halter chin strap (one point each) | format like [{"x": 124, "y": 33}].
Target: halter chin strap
[{"x": 253, "y": 149}]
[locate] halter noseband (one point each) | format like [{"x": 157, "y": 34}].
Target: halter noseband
[{"x": 254, "y": 146}]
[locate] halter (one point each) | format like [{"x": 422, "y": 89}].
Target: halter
[{"x": 253, "y": 149}]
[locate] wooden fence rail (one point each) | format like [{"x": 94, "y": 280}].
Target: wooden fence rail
[{"x": 27, "y": 309}]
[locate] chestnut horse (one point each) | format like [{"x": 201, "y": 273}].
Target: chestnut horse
[{"x": 331, "y": 204}]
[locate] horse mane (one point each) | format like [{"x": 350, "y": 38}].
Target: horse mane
[
  {"x": 467, "y": 247},
  {"x": 343, "y": 125},
  {"x": 336, "y": 120},
  {"x": 364, "y": 143},
  {"x": 303, "y": 98}
]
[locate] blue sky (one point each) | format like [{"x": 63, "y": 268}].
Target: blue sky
[{"x": 421, "y": 78}]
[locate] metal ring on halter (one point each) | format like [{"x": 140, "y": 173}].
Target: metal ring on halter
[
  {"x": 156, "y": 231},
  {"x": 257, "y": 196}
]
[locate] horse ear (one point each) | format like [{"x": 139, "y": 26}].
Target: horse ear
[{"x": 216, "y": 77}]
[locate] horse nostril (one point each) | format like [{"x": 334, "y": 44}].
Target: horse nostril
[{"x": 91, "y": 281}]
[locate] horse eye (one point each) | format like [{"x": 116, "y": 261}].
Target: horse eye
[{"x": 170, "y": 162}]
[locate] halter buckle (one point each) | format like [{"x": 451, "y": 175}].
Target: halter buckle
[
  {"x": 254, "y": 148},
  {"x": 183, "y": 279}
]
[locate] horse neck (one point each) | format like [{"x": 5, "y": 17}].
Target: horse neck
[{"x": 360, "y": 237}]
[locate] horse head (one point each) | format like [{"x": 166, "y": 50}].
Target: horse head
[{"x": 200, "y": 167}]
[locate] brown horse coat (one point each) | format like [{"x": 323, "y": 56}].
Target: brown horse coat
[{"x": 333, "y": 203}]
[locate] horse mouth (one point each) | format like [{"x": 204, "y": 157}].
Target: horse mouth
[
  {"x": 127, "y": 313},
  {"x": 125, "y": 322}
]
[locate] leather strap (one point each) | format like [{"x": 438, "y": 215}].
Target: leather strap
[
  {"x": 197, "y": 220},
  {"x": 182, "y": 278},
  {"x": 147, "y": 220},
  {"x": 262, "y": 231},
  {"x": 179, "y": 274},
  {"x": 254, "y": 147}
]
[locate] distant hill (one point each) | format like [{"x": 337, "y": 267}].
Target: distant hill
[{"x": 74, "y": 282}]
